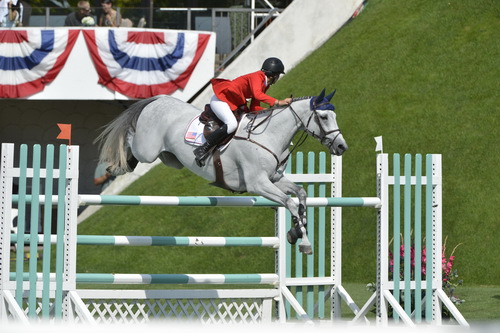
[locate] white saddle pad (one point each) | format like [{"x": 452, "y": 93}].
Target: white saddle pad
[{"x": 194, "y": 133}]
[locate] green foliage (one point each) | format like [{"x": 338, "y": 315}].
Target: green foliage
[{"x": 424, "y": 74}]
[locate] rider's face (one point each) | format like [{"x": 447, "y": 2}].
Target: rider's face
[{"x": 273, "y": 78}]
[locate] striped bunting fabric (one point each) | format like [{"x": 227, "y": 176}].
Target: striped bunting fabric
[
  {"x": 32, "y": 58},
  {"x": 141, "y": 64}
]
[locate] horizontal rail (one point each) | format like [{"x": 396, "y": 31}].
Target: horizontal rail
[
  {"x": 104, "y": 278},
  {"x": 413, "y": 180},
  {"x": 151, "y": 294},
  {"x": 310, "y": 281},
  {"x": 215, "y": 201},
  {"x": 163, "y": 240},
  {"x": 16, "y": 173}
]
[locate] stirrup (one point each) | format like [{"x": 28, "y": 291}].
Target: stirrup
[
  {"x": 200, "y": 161},
  {"x": 200, "y": 158}
]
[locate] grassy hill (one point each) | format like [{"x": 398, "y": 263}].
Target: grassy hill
[{"x": 424, "y": 74}]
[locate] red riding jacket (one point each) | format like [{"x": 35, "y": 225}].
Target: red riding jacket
[{"x": 236, "y": 92}]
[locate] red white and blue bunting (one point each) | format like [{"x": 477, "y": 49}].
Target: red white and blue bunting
[
  {"x": 138, "y": 64},
  {"x": 30, "y": 59},
  {"x": 141, "y": 64}
]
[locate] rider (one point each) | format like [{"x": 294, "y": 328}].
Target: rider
[{"x": 230, "y": 95}]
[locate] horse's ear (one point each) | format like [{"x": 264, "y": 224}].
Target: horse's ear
[
  {"x": 329, "y": 97},
  {"x": 320, "y": 97}
]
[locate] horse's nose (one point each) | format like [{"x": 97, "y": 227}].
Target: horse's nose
[{"x": 342, "y": 148}]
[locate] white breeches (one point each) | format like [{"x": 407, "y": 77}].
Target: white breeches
[{"x": 224, "y": 113}]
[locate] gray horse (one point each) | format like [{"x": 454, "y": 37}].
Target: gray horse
[{"x": 254, "y": 161}]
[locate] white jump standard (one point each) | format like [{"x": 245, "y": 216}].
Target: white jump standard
[{"x": 298, "y": 289}]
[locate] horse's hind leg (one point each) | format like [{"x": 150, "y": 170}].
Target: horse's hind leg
[
  {"x": 144, "y": 149},
  {"x": 273, "y": 192}
]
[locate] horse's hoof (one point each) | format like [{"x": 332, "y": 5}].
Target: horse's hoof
[
  {"x": 292, "y": 236},
  {"x": 298, "y": 231},
  {"x": 306, "y": 249}
]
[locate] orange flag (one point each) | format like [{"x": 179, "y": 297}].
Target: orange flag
[{"x": 65, "y": 132}]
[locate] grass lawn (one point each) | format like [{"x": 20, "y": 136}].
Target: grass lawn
[{"x": 482, "y": 303}]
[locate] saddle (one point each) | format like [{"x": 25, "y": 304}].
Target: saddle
[{"x": 212, "y": 123}]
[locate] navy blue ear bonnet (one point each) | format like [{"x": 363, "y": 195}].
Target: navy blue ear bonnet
[{"x": 323, "y": 103}]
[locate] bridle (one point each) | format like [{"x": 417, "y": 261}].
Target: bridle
[
  {"x": 322, "y": 132},
  {"x": 314, "y": 112}
]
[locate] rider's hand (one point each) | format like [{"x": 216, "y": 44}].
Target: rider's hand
[{"x": 286, "y": 101}]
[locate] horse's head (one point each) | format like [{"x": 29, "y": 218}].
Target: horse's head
[{"x": 324, "y": 126}]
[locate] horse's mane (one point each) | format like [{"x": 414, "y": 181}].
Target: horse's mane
[{"x": 296, "y": 99}]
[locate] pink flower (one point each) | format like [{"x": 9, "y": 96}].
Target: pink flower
[
  {"x": 449, "y": 266},
  {"x": 446, "y": 263},
  {"x": 412, "y": 256}
]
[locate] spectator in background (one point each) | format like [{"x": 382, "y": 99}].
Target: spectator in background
[
  {"x": 10, "y": 13},
  {"x": 102, "y": 177},
  {"x": 25, "y": 13},
  {"x": 77, "y": 17},
  {"x": 4, "y": 11},
  {"x": 109, "y": 17}
]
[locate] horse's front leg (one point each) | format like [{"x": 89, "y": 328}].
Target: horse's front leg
[
  {"x": 278, "y": 193},
  {"x": 290, "y": 187}
]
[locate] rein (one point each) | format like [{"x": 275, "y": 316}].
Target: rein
[
  {"x": 252, "y": 129},
  {"x": 321, "y": 137}
]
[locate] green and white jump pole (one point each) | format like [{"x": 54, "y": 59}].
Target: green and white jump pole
[{"x": 299, "y": 288}]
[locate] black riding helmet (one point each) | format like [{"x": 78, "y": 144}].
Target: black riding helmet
[{"x": 273, "y": 66}]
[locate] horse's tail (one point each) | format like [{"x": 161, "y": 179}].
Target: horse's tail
[{"x": 113, "y": 140}]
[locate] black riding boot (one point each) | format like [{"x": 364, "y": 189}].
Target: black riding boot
[{"x": 202, "y": 152}]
